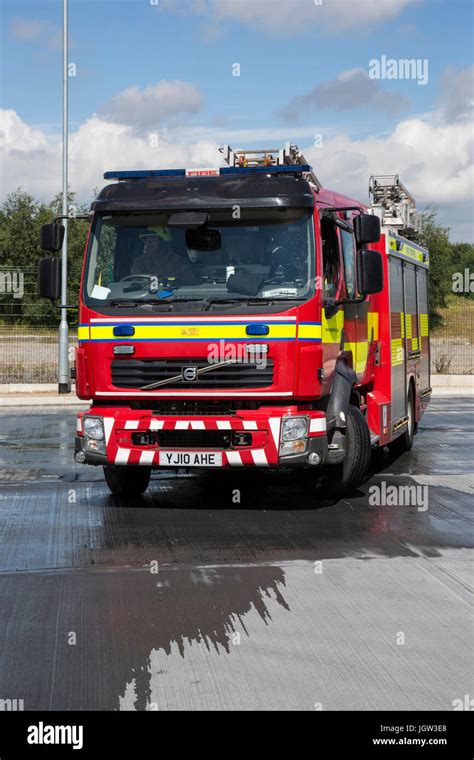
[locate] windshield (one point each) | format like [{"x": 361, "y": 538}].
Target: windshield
[{"x": 267, "y": 254}]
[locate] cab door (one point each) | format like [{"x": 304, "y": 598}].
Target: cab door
[{"x": 356, "y": 326}]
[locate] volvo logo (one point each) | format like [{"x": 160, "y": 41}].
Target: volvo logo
[{"x": 189, "y": 374}]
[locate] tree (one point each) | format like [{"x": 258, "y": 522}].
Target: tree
[
  {"x": 463, "y": 263},
  {"x": 21, "y": 218},
  {"x": 435, "y": 238}
]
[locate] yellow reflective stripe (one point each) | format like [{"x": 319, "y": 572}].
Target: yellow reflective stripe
[
  {"x": 402, "y": 323},
  {"x": 414, "y": 344},
  {"x": 83, "y": 333},
  {"x": 406, "y": 249},
  {"x": 408, "y": 323},
  {"x": 424, "y": 325},
  {"x": 360, "y": 352},
  {"x": 310, "y": 332},
  {"x": 397, "y": 352},
  {"x": 373, "y": 324},
  {"x": 332, "y": 328},
  {"x": 203, "y": 332}
]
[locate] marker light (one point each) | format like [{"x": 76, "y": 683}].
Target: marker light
[
  {"x": 124, "y": 350},
  {"x": 293, "y": 447},
  {"x": 124, "y": 331},
  {"x": 257, "y": 329}
]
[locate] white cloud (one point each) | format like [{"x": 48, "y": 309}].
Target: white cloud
[
  {"x": 150, "y": 106},
  {"x": 276, "y": 16},
  {"x": 15, "y": 135},
  {"x": 434, "y": 159},
  {"x": 30, "y": 160},
  {"x": 351, "y": 89}
]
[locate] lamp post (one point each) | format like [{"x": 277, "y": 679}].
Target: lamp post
[{"x": 64, "y": 379}]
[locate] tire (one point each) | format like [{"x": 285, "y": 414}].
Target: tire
[
  {"x": 127, "y": 481},
  {"x": 404, "y": 442},
  {"x": 345, "y": 477}
]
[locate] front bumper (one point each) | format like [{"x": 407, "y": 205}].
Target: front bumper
[{"x": 126, "y": 429}]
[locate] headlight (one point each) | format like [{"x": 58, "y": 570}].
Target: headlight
[
  {"x": 294, "y": 428},
  {"x": 93, "y": 428}
]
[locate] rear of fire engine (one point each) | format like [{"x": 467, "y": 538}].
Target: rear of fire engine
[{"x": 245, "y": 317}]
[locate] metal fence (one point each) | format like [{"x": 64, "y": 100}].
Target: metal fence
[
  {"x": 29, "y": 333},
  {"x": 28, "y": 330},
  {"x": 452, "y": 342}
]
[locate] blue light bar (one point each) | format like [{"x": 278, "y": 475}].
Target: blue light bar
[
  {"x": 145, "y": 173},
  {"x": 150, "y": 173}
]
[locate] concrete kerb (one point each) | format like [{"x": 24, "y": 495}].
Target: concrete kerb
[{"x": 22, "y": 395}]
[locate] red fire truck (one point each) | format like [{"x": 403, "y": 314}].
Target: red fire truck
[{"x": 246, "y": 317}]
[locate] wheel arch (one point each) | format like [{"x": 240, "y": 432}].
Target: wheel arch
[{"x": 343, "y": 392}]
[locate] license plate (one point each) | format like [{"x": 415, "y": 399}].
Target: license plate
[{"x": 190, "y": 458}]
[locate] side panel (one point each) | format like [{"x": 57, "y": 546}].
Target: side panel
[
  {"x": 412, "y": 327},
  {"x": 397, "y": 339},
  {"x": 422, "y": 284},
  {"x": 411, "y": 311}
]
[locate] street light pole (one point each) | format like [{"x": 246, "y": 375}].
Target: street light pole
[{"x": 64, "y": 379}]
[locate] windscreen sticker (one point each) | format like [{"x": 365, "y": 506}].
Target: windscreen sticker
[{"x": 280, "y": 292}]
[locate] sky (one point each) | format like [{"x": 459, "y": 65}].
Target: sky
[{"x": 164, "y": 83}]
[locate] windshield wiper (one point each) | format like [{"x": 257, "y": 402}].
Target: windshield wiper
[
  {"x": 248, "y": 301},
  {"x": 124, "y": 303}
]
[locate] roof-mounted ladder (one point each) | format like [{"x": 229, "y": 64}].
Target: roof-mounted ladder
[
  {"x": 393, "y": 203},
  {"x": 290, "y": 155}
]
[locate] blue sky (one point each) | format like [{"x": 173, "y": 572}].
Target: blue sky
[
  {"x": 130, "y": 42},
  {"x": 286, "y": 50}
]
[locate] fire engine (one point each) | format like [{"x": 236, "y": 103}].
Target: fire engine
[{"x": 246, "y": 317}]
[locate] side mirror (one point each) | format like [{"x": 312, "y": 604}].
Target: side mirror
[
  {"x": 49, "y": 278},
  {"x": 52, "y": 237},
  {"x": 366, "y": 229},
  {"x": 369, "y": 272}
]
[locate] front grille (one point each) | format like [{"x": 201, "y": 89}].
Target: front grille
[
  {"x": 188, "y": 408},
  {"x": 136, "y": 373},
  {"x": 194, "y": 439}
]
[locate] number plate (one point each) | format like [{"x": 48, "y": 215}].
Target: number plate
[{"x": 190, "y": 459}]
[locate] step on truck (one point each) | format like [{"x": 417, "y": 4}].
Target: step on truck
[{"x": 246, "y": 317}]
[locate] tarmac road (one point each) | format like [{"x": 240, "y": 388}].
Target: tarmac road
[{"x": 188, "y": 599}]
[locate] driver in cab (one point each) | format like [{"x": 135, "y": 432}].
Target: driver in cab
[{"x": 159, "y": 259}]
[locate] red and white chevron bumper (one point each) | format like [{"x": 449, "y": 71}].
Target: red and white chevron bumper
[{"x": 140, "y": 438}]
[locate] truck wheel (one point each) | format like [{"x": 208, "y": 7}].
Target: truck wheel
[
  {"x": 404, "y": 442},
  {"x": 127, "y": 481},
  {"x": 342, "y": 478}
]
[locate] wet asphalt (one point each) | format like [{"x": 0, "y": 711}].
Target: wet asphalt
[{"x": 241, "y": 592}]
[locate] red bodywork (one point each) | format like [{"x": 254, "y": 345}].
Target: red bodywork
[{"x": 303, "y": 377}]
